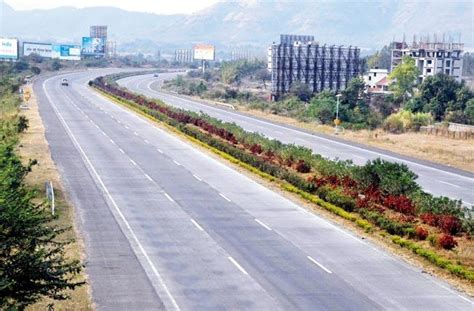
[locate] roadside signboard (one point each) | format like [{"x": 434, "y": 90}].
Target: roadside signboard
[
  {"x": 42, "y": 49},
  {"x": 8, "y": 48},
  {"x": 93, "y": 46},
  {"x": 204, "y": 52},
  {"x": 66, "y": 52}
]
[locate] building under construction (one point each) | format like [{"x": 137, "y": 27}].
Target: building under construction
[
  {"x": 184, "y": 56},
  {"x": 98, "y": 31},
  {"x": 321, "y": 67},
  {"x": 431, "y": 56}
]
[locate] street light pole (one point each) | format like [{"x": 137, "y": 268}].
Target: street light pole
[{"x": 337, "y": 121}]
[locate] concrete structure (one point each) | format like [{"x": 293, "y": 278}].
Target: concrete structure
[
  {"x": 184, "y": 56},
  {"x": 321, "y": 67},
  {"x": 238, "y": 54},
  {"x": 98, "y": 31},
  {"x": 431, "y": 57},
  {"x": 376, "y": 80}
]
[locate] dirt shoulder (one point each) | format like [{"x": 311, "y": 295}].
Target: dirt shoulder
[{"x": 33, "y": 145}]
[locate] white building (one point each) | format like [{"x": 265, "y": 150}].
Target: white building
[{"x": 431, "y": 57}]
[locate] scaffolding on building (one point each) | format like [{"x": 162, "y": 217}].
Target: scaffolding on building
[
  {"x": 320, "y": 67},
  {"x": 184, "y": 56}
]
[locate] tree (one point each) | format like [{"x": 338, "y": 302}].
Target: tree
[
  {"x": 322, "y": 107},
  {"x": 380, "y": 59},
  {"x": 404, "y": 76},
  {"x": 442, "y": 95},
  {"x": 56, "y": 65},
  {"x": 32, "y": 259},
  {"x": 264, "y": 76},
  {"x": 300, "y": 90},
  {"x": 353, "y": 92}
]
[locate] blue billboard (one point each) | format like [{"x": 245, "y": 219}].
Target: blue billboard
[
  {"x": 93, "y": 46},
  {"x": 66, "y": 52}
]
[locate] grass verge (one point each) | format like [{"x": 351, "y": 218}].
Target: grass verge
[{"x": 33, "y": 145}]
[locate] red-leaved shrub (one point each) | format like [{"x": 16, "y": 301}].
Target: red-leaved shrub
[
  {"x": 449, "y": 224},
  {"x": 256, "y": 149},
  {"x": 400, "y": 203},
  {"x": 429, "y": 219},
  {"x": 302, "y": 167},
  {"x": 421, "y": 233},
  {"x": 446, "y": 241}
]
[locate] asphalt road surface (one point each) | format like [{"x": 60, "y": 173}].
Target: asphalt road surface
[
  {"x": 169, "y": 227},
  {"x": 434, "y": 178}
]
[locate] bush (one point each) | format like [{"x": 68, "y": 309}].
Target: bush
[
  {"x": 391, "y": 178},
  {"x": 429, "y": 219},
  {"x": 446, "y": 241},
  {"x": 336, "y": 197},
  {"x": 385, "y": 223},
  {"x": 393, "y": 124},
  {"x": 303, "y": 167},
  {"x": 421, "y": 233},
  {"x": 449, "y": 224}
]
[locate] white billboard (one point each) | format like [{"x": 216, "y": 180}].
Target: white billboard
[
  {"x": 204, "y": 52},
  {"x": 8, "y": 48},
  {"x": 41, "y": 49}
]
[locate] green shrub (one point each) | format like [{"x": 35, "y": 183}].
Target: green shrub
[
  {"x": 336, "y": 197},
  {"x": 393, "y": 124},
  {"x": 391, "y": 178}
]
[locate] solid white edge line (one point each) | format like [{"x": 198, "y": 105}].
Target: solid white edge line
[
  {"x": 197, "y": 225},
  {"x": 263, "y": 225},
  {"x": 318, "y": 264},
  {"x": 148, "y": 176},
  {"x": 168, "y": 197},
  {"x": 232, "y": 260},
  {"x": 222, "y": 195},
  {"x": 119, "y": 212},
  {"x": 197, "y": 177}
]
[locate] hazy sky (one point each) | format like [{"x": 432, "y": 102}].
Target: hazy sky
[{"x": 154, "y": 6}]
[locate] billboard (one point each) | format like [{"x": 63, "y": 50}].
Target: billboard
[
  {"x": 93, "y": 46},
  {"x": 8, "y": 48},
  {"x": 204, "y": 51},
  {"x": 41, "y": 49},
  {"x": 66, "y": 52}
]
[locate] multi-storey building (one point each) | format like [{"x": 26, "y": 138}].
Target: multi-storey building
[
  {"x": 320, "y": 67},
  {"x": 184, "y": 56},
  {"x": 431, "y": 57}
]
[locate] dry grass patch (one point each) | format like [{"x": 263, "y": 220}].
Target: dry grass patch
[
  {"x": 451, "y": 152},
  {"x": 33, "y": 145}
]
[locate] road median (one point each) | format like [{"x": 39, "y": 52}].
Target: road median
[{"x": 381, "y": 215}]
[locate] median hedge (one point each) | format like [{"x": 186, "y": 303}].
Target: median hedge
[{"x": 371, "y": 190}]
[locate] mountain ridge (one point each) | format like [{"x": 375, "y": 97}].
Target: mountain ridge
[{"x": 251, "y": 24}]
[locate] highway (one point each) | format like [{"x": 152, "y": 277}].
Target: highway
[
  {"x": 166, "y": 226},
  {"x": 434, "y": 178}
]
